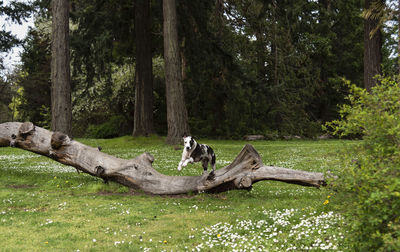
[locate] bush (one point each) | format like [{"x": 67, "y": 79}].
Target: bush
[
  {"x": 371, "y": 174},
  {"x": 109, "y": 129}
]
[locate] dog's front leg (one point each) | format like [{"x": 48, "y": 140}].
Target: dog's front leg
[
  {"x": 189, "y": 160},
  {"x": 180, "y": 165},
  {"x": 183, "y": 159}
]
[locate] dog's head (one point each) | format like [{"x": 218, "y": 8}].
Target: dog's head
[{"x": 189, "y": 143}]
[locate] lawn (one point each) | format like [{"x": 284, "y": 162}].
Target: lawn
[{"x": 48, "y": 206}]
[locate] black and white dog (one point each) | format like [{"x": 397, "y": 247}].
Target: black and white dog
[{"x": 195, "y": 152}]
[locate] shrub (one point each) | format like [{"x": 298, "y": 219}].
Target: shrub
[
  {"x": 109, "y": 129},
  {"x": 371, "y": 174}
]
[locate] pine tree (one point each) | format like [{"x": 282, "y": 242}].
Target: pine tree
[
  {"x": 177, "y": 117},
  {"x": 61, "y": 110}
]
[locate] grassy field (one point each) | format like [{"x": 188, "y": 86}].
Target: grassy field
[{"x": 46, "y": 206}]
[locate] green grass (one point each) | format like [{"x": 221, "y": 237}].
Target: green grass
[{"x": 48, "y": 206}]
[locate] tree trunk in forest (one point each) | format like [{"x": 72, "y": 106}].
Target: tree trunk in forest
[
  {"x": 138, "y": 173},
  {"x": 372, "y": 48},
  {"x": 61, "y": 111},
  {"x": 274, "y": 46},
  {"x": 143, "y": 116},
  {"x": 398, "y": 37},
  {"x": 261, "y": 67},
  {"x": 177, "y": 117}
]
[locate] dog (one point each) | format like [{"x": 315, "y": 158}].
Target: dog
[{"x": 195, "y": 152}]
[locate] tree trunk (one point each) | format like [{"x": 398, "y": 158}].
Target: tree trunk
[
  {"x": 372, "y": 48},
  {"x": 177, "y": 117},
  {"x": 260, "y": 45},
  {"x": 143, "y": 116},
  {"x": 398, "y": 37},
  {"x": 275, "y": 44},
  {"x": 61, "y": 111},
  {"x": 138, "y": 173}
]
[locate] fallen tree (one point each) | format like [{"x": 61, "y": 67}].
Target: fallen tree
[{"x": 138, "y": 173}]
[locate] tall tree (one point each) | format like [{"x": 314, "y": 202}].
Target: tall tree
[
  {"x": 143, "y": 116},
  {"x": 177, "y": 117},
  {"x": 372, "y": 42},
  {"x": 61, "y": 111}
]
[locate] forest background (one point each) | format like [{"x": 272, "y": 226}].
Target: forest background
[{"x": 248, "y": 67}]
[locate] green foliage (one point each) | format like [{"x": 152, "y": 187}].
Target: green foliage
[
  {"x": 6, "y": 96},
  {"x": 371, "y": 174},
  {"x": 111, "y": 128},
  {"x": 15, "y": 103},
  {"x": 106, "y": 97},
  {"x": 33, "y": 77}
]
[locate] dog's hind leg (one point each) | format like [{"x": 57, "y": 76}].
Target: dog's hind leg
[
  {"x": 204, "y": 162},
  {"x": 213, "y": 162},
  {"x": 211, "y": 176}
]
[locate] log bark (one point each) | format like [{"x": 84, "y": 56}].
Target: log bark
[{"x": 138, "y": 173}]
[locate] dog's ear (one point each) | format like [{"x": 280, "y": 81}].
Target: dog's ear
[{"x": 184, "y": 135}]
